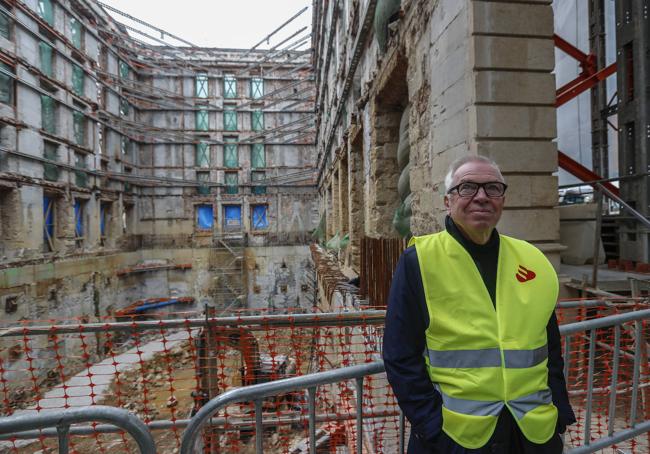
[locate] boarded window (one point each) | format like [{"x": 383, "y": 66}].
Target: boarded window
[
  {"x": 231, "y": 183},
  {"x": 229, "y": 86},
  {"x": 257, "y": 120},
  {"x": 6, "y": 84},
  {"x": 48, "y": 122},
  {"x": 75, "y": 32},
  {"x": 79, "y": 206},
  {"x": 257, "y": 87},
  {"x": 202, "y": 155},
  {"x": 204, "y": 179},
  {"x": 204, "y": 217},
  {"x": 257, "y": 177},
  {"x": 5, "y": 26},
  {"x": 258, "y": 156},
  {"x": 125, "y": 107},
  {"x": 123, "y": 69},
  {"x": 230, "y": 155},
  {"x": 104, "y": 218},
  {"x": 46, "y": 11},
  {"x": 45, "y": 51},
  {"x": 230, "y": 119},
  {"x": 48, "y": 223},
  {"x": 202, "y": 121},
  {"x": 202, "y": 85},
  {"x": 50, "y": 171},
  {"x": 79, "y": 127},
  {"x": 232, "y": 217},
  {"x": 259, "y": 220},
  {"x": 81, "y": 177},
  {"x": 78, "y": 80}
]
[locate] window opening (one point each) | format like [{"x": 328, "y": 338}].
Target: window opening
[
  {"x": 230, "y": 154},
  {"x": 202, "y": 121},
  {"x": 257, "y": 87},
  {"x": 259, "y": 219},
  {"x": 6, "y": 84},
  {"x": 46, "y": 11},
  {"x": 50, "y": 171},
  {"x": 78, "y": 78},
  {"x": 45, "y": 51},
  {"x": 258, "y": 156},
  {"x": 257, "y": 120},
  {"x": 104, "y": 220},
  {"x": 75, "y": 32},
  {"x": 232, "y": 217},
  {"x": 204, "y": 179},
  {"x": 79, "y": 222},
  {"x": 127, "y": 218},
  {"x": 204, "y": 217},
  {"x": 5, "y": 26},
  {"x": 48, "y": 122},
  {"x": 123, "y": 69},
  {"x": 256, "y": 177},
  {"x": 229, "y": 86},
  {"x": 48, "y": 223},
  {"x": 125, "y": 107},
  {"x": 79, "y": 127},
  {"x": 231, "y": 183},
  {"x": 81, "y": 178},
  {"x": 230, "y": 119},
  {"x": 202, "y": 155},
  {"x": 202, "y": 85}
]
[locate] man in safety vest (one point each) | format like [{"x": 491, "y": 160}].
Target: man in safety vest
[{"x": 472, "y": 346}]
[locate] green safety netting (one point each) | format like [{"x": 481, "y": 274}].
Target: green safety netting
[
  {"x": 338, "y": 241},
  {"x": 78, "y": 78},
  {"x": 402, "y": 218},
  {"x": 75, "y": 33},
  {"x": 6, "y": 85},
  {"x": 50, "y": 171},
  {"x": 202, "y": 86},
  {"x": 202, "y": 122},
  {"x": 255, "y": 177},
  {"x": 230, "y": 120},
  {"x": 258, "y": 156},
  {"x": 45, "y": 51},
  {"x": 319, "y": 232},
  {"x": 46, "y": 11},
  {"x": 231, "y": 183},
  {"x": 257, "y": 120},
  {"x": 123, "y": 69},
  {"x": 229, "y": 86},
  {"x": 5, "y": 29},
  {"x": 384, "y": 12},
  {"x": 48, "y": 122},
  {"x": 230, "y": 155},
  {"x": 79, "y": 127},
  {"x": 257, "y": 87},
  {"x": 202, "y": 155}
]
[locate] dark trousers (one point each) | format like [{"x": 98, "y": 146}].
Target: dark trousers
[{"x": 506, "y": 439}]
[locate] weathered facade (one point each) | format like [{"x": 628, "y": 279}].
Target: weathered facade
[
  {"x": 405, "y": 88},
  {"x": 192, "y": 162}
]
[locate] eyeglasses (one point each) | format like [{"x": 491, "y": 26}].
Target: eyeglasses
[{"x": 493, "y": 189}]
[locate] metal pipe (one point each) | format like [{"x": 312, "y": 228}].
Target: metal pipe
[
  {"x": 614, "y": 384},
  {"x": 64, "y": 442},
  {"x": 312, "y": 418},
  {"x": 638, "y": 216},
  {"x": 611, "y": 320},
  {"x": 266, "y": 38},
  {"x": 402, "y": 424},
  {"x": 259, "y": 432},
  {"x": 590, "y": 385},
  {"x": 638, "y": 338},
  {"x": 607, "y": 442},
  {"x": 359, "y": 386}
]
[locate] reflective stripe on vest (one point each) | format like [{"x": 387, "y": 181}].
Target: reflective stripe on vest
[{"x": 488, "y": 357}]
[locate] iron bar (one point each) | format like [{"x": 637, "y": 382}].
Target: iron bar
[
  {"x": 638, "y": 339},
  {"x": 359, "y": 389},
  {"x": 259, "y": 433},
  {"x": 63, "y": 431},
  {"x": 590, "y": 385},
  {"x": 312, "y": 418},
  {"x": 402, "y": 430},
  {"x": 266, "y": 38},
  {"x": 612, "y": 398},
  {"x": 606, "y": 442}
]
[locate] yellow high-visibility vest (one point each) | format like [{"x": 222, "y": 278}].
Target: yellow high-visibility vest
[{"x": 481, "y": 359}]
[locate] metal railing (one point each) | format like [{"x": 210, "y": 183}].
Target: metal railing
[
  {"x": 256, "y": 393},
  {"x": 62, "y": 421}
]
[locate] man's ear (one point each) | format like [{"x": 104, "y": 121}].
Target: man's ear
[{"x": 446, "y": 201}]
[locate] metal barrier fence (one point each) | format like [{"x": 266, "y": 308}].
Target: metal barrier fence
[
  {"x": 164, "y": 371},
  {"x": 63, "y": 420}
]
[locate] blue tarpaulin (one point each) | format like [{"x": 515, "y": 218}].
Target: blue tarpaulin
[
  {"x": 232, "y": 215},
  {"x": 79, "y": 219},
  {"x": 259, "y": 217},
  {"x": 205, "y": 217}
]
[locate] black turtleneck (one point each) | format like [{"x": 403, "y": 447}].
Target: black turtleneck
[{"x": 485, "y": 256}]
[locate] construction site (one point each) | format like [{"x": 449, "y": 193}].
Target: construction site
[{"x": 204, "y": 238}]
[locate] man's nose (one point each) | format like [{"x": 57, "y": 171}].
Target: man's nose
[{"x": 481, "y": 194}]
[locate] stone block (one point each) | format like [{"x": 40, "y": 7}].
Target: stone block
[
  {"x": 539, "y": 156},
  {"x": 514, "y": 53},
  {"x": 514, "y": 87},
  {"x": 516, "y": 122},
  {"x": 522, "y": 19},
  {"x": 446, "y": 69},
  {"x": 531, "y": 191},
  {"x": 531, "y": 225},
  {"x": 450, "y": 132},
  {"x": 446, "y": 12}
]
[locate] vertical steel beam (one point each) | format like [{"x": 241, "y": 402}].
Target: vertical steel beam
[{"x": 600, "y": 155}]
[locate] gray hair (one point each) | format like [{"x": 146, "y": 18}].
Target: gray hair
[{"x": 454, "y": 166}]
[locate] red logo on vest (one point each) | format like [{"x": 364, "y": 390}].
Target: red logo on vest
[{"x": 524, "y": 274}]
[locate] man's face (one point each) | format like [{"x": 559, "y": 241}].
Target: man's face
[{"x": 479, "y": 213}]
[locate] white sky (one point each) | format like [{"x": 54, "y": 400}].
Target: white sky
[{"x": 218, "y": 23}]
